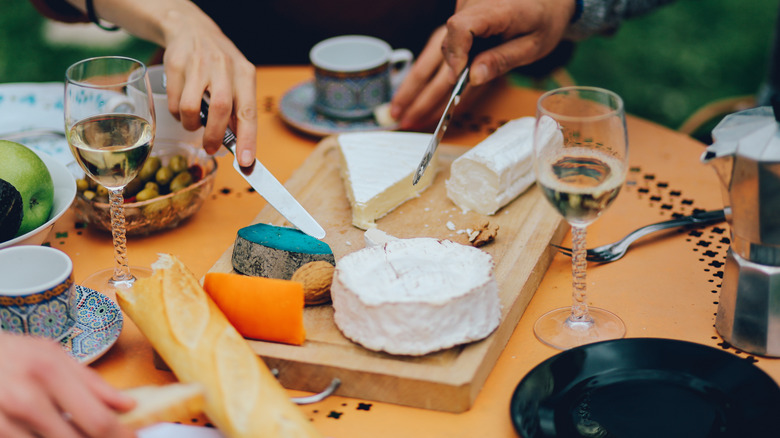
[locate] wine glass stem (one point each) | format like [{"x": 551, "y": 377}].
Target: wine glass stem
[
  {"x": 117, "y": 211},
  {"x": 579, "y": 308}
]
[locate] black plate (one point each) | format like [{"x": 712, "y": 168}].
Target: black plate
[{"x": 643, "y": 387}]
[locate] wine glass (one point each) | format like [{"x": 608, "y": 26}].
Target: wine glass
[
  {"x": 110, "y": 127},
  {"x": 580, "y": 160}
]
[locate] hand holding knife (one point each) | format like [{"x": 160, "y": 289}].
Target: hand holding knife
[
  {"x": 479, "y": 45},
  {"x": 268, "y": 186}
]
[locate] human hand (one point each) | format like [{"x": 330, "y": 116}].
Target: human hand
[
  {"x": 200, "y": 59},
  {"x": 420, "y": 100},
  {"x": 45, "y": 393},
  {"x": 530, "y": 29}
]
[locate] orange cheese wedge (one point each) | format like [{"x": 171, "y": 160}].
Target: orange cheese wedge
[{"x": 267, "y": 309}]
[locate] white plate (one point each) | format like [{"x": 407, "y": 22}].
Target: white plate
[
  {"x": 297, "y": 110},
  {"x": 98, "y": 325},
  {"x": 33, "y": 105},
  {"x": 172, "y": 430}
]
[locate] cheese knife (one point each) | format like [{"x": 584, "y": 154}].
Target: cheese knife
[
  {"x": 444, "y": 122},
  {"x": 478, "y": 45},
  {"x": 264, "y": 183}
]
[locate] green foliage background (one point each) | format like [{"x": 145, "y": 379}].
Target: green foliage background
[{"x": 665, "y": 64}]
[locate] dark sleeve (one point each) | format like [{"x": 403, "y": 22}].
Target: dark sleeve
[
  {"x": 605, "y": 16},
  {"x": 59, "y": 10}
]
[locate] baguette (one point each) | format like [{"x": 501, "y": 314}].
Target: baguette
[
  {"x": 165, "y": 403},
  {"x": 195, "y": 339}
]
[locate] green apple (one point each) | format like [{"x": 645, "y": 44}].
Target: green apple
[{"x": 25, "y": 170}]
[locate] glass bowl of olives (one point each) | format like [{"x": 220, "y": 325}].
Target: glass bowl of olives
[{"x": 172, "y": 185}]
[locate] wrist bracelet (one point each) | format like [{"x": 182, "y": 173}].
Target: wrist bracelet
[
  {"x": 93, "y": 17},
  {"x": 578, "y": 6}
]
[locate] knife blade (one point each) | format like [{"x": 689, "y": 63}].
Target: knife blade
[
  {"x": 478, "y": 45},
  {"x": 444, "y": 122},
  {"x": 264, "y": 183}
]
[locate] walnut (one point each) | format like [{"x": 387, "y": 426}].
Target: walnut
[
  {"x": 316, "y": 278},
  {"x": 483, "y": 233}
]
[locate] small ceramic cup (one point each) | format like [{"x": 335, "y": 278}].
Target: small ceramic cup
[
  {"x": 37, "y": 293},
  {"x": 168, "y": 128},
  {"x": 354, "y": 74}
]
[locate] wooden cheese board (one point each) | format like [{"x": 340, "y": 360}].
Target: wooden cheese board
[{"x": 448, "y": 380}]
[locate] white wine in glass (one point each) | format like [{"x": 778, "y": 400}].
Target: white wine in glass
[
  {"x": 580, "y": 160},
  {"x": 110, "y": 126}
]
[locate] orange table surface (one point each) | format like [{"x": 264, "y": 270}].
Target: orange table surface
[{"x": 665, "y": 287}]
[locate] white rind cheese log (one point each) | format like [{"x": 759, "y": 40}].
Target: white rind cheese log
[
  {"x": 377, "y": 170},
  {"x": 243, "y": 398},
  {"x": 495, "y": 171},
  {"x": 415, "y": 296},
  {"x": 270, "y": 251}
]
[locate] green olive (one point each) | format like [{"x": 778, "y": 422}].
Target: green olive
[
  {"x": 178, "y": 164},
  {"x": 82, "y": 185},
  {"x": 181, "y": 181},
  {"x": 149, "y": 169},
  {"x": 152, "y": 185},
  {"x": 101, "y": 191},
  {"x": 183, "y": 200},
  {"x": 157, "y": 210},
  {"x": 146, "y": 194},
  {"x": 164, "y": 176},
  {"x": 89, "y": 195}
]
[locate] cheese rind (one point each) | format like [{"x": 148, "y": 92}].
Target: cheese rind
[
  {"x": 271, "y": 251},
  {"x": 495, "y": 171},
  {"x": 415, "y": 296},
  {"x": 377, "y": 170},
  {"x": 377, "y": 237}
]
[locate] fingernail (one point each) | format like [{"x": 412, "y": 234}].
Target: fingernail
[
  {"x": 246, "y": 158},
  {"x": 480, "y": 74}
]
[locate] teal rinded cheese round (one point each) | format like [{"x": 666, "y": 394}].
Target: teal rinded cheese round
[{"x": 271, "y": 251}]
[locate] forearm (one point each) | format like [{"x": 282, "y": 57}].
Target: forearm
[
  {"x": 601, "y": 16},
  {"x": 153, "y": 20}
]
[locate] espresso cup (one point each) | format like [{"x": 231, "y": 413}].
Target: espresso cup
[
  {"x": 37, "y": 293},
  {"x": 354, "y": 74}
]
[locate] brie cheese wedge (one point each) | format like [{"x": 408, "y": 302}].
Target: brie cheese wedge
[
  {"x": 495, "y": 171},
  {"x": 377, "y": 170},
  {"x": 415, "y": 296}
]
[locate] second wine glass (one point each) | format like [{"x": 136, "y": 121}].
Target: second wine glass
[
  {"x": 581, "y": 158},
  {"x": 110, "y": 127}
]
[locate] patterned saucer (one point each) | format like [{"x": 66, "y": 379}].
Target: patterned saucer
[
  {"x": 297, "y": 110},
  {"x": 98, "y": 325}
]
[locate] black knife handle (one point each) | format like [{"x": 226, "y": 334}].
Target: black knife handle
[
  {"x": 204, "y": 115},
  {"x": 204, "y": 111}
]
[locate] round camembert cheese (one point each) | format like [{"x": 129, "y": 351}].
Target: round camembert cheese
[{"x": 415, "y": 296}]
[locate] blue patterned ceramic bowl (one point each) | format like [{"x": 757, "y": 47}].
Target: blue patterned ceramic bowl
[{"x": 37, "y": 294}]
